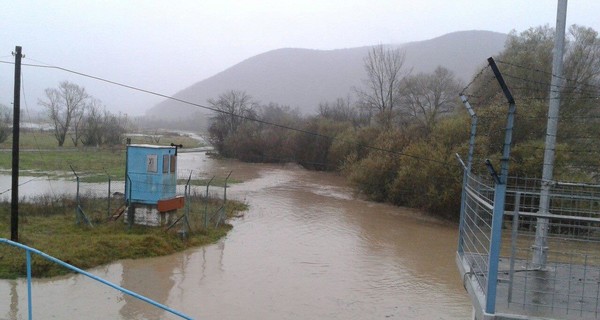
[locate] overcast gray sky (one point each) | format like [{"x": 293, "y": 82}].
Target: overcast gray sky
[{"x": 165, "y": 46}]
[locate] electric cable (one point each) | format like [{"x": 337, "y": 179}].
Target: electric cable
[{"x": 222, "y": 111}]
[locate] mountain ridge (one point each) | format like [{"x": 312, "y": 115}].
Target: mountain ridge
[{"x": 304, "y": 78}]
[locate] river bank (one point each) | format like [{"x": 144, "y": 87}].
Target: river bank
[{"x": 51, "y": 228}]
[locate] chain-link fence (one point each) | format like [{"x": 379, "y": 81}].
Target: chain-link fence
[
  {"x": 96, "y": 202},
  {"x": 205, "y": 202},
  {"x": 567, "y": 286},
  {"x": 529, "y": 247}
]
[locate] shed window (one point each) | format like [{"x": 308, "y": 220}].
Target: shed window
[
  {"x": 151, "y": 163},
  {"x": 165, "y": 163},
  {"x": 173, "y": 163}
]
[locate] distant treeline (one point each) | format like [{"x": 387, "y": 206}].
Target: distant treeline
[{"x": 397, "y": 141}]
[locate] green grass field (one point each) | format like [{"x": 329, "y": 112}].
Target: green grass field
[
  {"x": 35, "y": 139},
  {"x": 40, "y": 156}
]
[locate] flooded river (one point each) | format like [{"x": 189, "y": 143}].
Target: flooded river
[{"x": 306, "y": 249}]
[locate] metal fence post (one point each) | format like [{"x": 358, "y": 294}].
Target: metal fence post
[
  {"x": 77, "y": 200},
  {"x": 206, "y": 204},
  {"x": 467, "y": 171},
  {"x": 499, "y": 196},
  {"x": 79, "y": 213},
  {"x": 108, "y": 205},
  {"x": 223, "y": 213},
  {"x": 130, "y": 208},
  {"x": 186, "y": 212}
]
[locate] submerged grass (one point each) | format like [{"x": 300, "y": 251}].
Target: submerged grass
[{"x": 49, "y": 226}]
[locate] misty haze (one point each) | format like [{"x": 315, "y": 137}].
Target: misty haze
[{"x": 266, "y": 159}]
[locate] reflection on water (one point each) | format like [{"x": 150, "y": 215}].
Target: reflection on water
[
  {"x": 14, "y": 301},
  {"x": 154, "y": 279},
  {"x": 307, "y": 249}
]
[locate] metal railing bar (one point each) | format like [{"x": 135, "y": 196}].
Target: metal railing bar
[
  {"x": 476, "y": 197},
  {"x": 571, "y": 184},
  {"x": 85, "y": 273},
  {"x": 553, "y": 216},
  {"x": 554, "y": 195}
]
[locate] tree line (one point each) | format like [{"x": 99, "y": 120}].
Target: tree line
[
  {"x": 77, "y": 115},
  {"x": 396, "y": 137}
]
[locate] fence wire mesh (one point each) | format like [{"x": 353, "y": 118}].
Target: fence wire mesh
[
  {"x": 205, "y": 203},
  {"x": 553, "y": 274},
  {"x": 568, "y": 285},
  {"x": 97, "y": 201}
]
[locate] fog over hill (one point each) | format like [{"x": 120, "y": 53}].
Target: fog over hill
[{"x": 304, "y": 78}]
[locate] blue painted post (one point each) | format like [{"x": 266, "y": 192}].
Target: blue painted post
[
  {"x": 29, "y": 304},
  {"x": 492, "y": 279},
  {"x": 499, "y": 197}
]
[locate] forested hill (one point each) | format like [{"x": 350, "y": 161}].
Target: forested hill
[{"x": 303, "y": 78}]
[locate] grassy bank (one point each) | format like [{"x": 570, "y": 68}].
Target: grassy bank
[
  {"x": 51, "y": 228},
  {"x": 35, "y": 139},
  {"x": 40, "y": 156}
]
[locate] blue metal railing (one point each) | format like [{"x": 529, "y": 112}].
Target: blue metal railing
[{"x": 28, "y": 251}]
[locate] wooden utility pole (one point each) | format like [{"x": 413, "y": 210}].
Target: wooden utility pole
[{"x": 14, "y": 200}]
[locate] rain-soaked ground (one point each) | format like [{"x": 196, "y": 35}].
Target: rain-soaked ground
[{"x": 306, "y": 249}]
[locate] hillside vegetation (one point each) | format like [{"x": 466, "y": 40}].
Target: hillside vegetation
[{"x": 397, "y": 140}]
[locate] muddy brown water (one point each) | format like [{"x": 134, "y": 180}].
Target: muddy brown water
[{"x": 306, "y": 249}]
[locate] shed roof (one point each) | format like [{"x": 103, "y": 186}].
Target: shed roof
[{"x": 150, "y": 146}]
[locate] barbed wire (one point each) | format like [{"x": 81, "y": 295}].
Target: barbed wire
[
  {"x": 479, "y": 74},
  {"x": 546, "y": 72},
  {"x": 579, "y": 143}
]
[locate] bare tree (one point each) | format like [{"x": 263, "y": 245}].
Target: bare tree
[
  {"x": 342, "y": 109},
  {"x": 65, "y": 105},
  {"x": 426, "y": 97},
  {"x": 383, "y": 66},
  {"x": 233, "y": 105},
  {"x": 102, "y": 127},
  {"x": 92, "y": 125},
  {"x": 114, "y": 128},
  {"x": 76, "y": 130}
]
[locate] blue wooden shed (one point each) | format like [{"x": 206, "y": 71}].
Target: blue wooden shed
[{"x": 151, "y": 182}]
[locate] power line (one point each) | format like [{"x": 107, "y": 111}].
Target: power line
[
  {"x": 222, "y": 111},
  {"x": 20, "y": 184}
]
